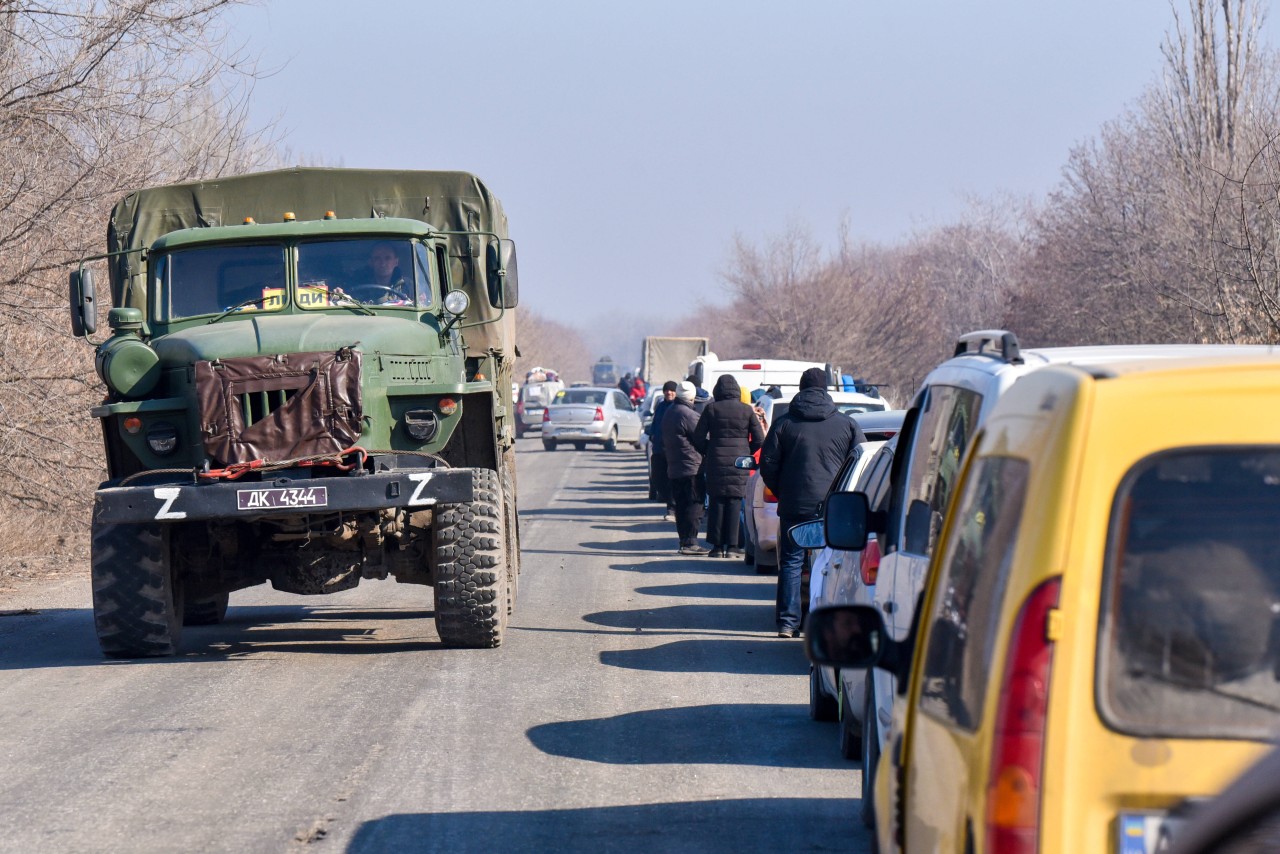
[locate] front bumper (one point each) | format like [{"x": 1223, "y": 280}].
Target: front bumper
[{"x": 279, "y": 494}]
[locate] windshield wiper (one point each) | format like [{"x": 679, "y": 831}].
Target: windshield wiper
[
  {"x": 347, "y": 299},
  {"x": 237, "y": 307}
]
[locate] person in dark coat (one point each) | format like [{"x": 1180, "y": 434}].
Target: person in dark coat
[
  {"x": 727, "y": 429},
  {"x": 660, "y": 485},
  {"x": 802, "y": 453},
  {"x": 683, "y": 463}
]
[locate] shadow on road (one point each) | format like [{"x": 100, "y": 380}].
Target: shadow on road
[
  {"x": 768, "y": 656},
  {"x": 717, "y": 734},
  {"x": 743, "y": 824},
  {"x": 715, "y": 590},
  {"x": 66, "y": 637},
  {"x": 741, "y": 618}
]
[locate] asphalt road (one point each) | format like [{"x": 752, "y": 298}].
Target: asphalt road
[{"x": 640, "y": 703}]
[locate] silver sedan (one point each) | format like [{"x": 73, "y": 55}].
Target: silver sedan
[{"x": 588, "y": 415}]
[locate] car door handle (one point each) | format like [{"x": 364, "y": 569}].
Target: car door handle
[{"x": 888, "y": 607}]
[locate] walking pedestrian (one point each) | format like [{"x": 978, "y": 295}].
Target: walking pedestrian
[
  {"x": 727, "y": 429},
  {"x": 683, "y": 462},
  {"x": 802, "y": 453}
]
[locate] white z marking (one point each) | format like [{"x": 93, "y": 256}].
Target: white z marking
[
  {"x": 169, "y": 495},
  {"x": 417, "y": 498}
]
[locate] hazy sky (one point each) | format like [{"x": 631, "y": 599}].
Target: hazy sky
[{"x": 629, "y": 142}]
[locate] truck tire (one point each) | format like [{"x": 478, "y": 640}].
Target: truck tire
[
  {"x": 137, "y": 598},
  {"x": 208, "y": 611},
  {"x": 471, "y": 568}
]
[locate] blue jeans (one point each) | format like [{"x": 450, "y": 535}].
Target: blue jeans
[{"x": 790, "y": 567}]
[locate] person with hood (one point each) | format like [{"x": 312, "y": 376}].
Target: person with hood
[
  {"x": 802, "y": 453},
  {"x": 683, "y": 462},
  {"x": 660, "y": 485},
  {"x": 727, "y": 429}
]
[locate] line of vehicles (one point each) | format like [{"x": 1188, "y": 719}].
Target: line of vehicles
[{"x": 1045, "y": 611}]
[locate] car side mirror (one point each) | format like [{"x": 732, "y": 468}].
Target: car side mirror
[
  {"x": 808, "y": 535},
  {"x": 84, "y": 312},
  {"x": 748, "y": 463},
  {"x": 850, "y": 636},
  {"x": 850, "y": 520},
  {"x": 504, "y": 287}
]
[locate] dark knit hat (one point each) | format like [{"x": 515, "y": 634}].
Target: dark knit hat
[
  {"x": 670, "y": 385},
  {"x": 813, "y": 378}
]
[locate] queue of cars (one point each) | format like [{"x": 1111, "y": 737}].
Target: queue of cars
[{"x": 1072, "y": 632}]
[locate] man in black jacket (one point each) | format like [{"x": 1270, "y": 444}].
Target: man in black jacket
[
  {"x": 659, "y": 483},
  {"x": 683, "y": 464},
  {"x": 802, "y": 453}
]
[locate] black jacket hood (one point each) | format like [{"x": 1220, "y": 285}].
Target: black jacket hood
[
  {"x": 727, "y": 388},
  {"x": 812, "y": 404}
]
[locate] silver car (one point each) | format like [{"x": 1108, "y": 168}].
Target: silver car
[{"x": 590, "y": 415}]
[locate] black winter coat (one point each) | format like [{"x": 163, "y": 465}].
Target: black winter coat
[
  {"x": 727, "y": 429},
  {"x": 683, "y": 459},
  {"x": 804, "y": 450},
  {"x": 655, "y": 426}
]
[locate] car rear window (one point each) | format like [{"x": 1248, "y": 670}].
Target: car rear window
[
  {"x": 591, "y": 397},
  {"x": 1188, "y": 637}
]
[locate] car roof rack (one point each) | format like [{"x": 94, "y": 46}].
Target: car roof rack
[{"x": 984, "y": 341}]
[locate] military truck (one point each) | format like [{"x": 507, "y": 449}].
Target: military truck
[
  {"x": 308, "y": 376},
  {"x": 604, "y": 373}
]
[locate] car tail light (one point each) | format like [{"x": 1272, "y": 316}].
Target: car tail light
[
  {"x": 520, "y": 408},
  {"x": 599, "y": 414},
  {"x": 869, "y": 563},
  {"x": 769, "y": 497},
  {"x": 1017, "y": 753},
  {"x": 546, "y": 414}
]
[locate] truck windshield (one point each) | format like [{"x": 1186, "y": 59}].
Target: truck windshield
[
  {"x": 212, "y": 279},
  {"x": 373, "y": 271},
  {"x": 368, "y": 272}
]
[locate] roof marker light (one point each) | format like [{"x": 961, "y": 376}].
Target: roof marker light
[
  {"x": 289, "y": 217},
  {"x": 330, "y": 215},
  {"x": 249, "y": 221}
]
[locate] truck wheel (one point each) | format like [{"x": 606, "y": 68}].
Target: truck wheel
[
  {"x": 611, "y": 444},
  {"x": 471, "y": 568},
  {"x": 548, "y": 444},
  {"x": 511, "y": 527},
  {"x": 208, "y": 611},
  {"x": 137, "y": 598}
]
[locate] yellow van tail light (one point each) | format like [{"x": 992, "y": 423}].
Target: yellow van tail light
[{"x": 1017, "y": 751}]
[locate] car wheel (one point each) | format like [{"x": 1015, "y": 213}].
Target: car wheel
[
  {"x": 822, "y": 706},
  {"x": 850, "y": 730},
  {"x": 581, "y": 446},
  {"x": 548, "y": 444},
  {"x": 870, "y": 758},
  {"x": 520, "y": 431},
  {"x": 611, "y": 444}
]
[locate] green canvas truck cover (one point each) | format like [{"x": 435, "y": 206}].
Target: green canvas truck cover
[{"x": 448, "y": 201}]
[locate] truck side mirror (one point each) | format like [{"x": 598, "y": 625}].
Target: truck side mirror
[
  {"x": 504, "y": 288},
  {"x": 84, "y": 313}
]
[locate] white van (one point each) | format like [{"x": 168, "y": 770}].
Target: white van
[{"x": 753, "y": 374}]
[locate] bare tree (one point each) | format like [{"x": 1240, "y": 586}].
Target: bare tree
[{"x": 95, "y": 99}]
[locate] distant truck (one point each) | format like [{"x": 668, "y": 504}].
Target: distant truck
[
  {"x": 604, "y": 373},
  {"x": 666, "y": 359},
  {"x": 308, "y": 377}
]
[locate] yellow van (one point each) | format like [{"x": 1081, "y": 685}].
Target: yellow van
[{"x": 1097, "y": 643}]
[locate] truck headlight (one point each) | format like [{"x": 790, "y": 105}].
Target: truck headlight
[{"x": 162, "y": 438}]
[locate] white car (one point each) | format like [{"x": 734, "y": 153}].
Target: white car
[
  {"x": 590, "y": 415},
  {"x": 848, "y": 577}
]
